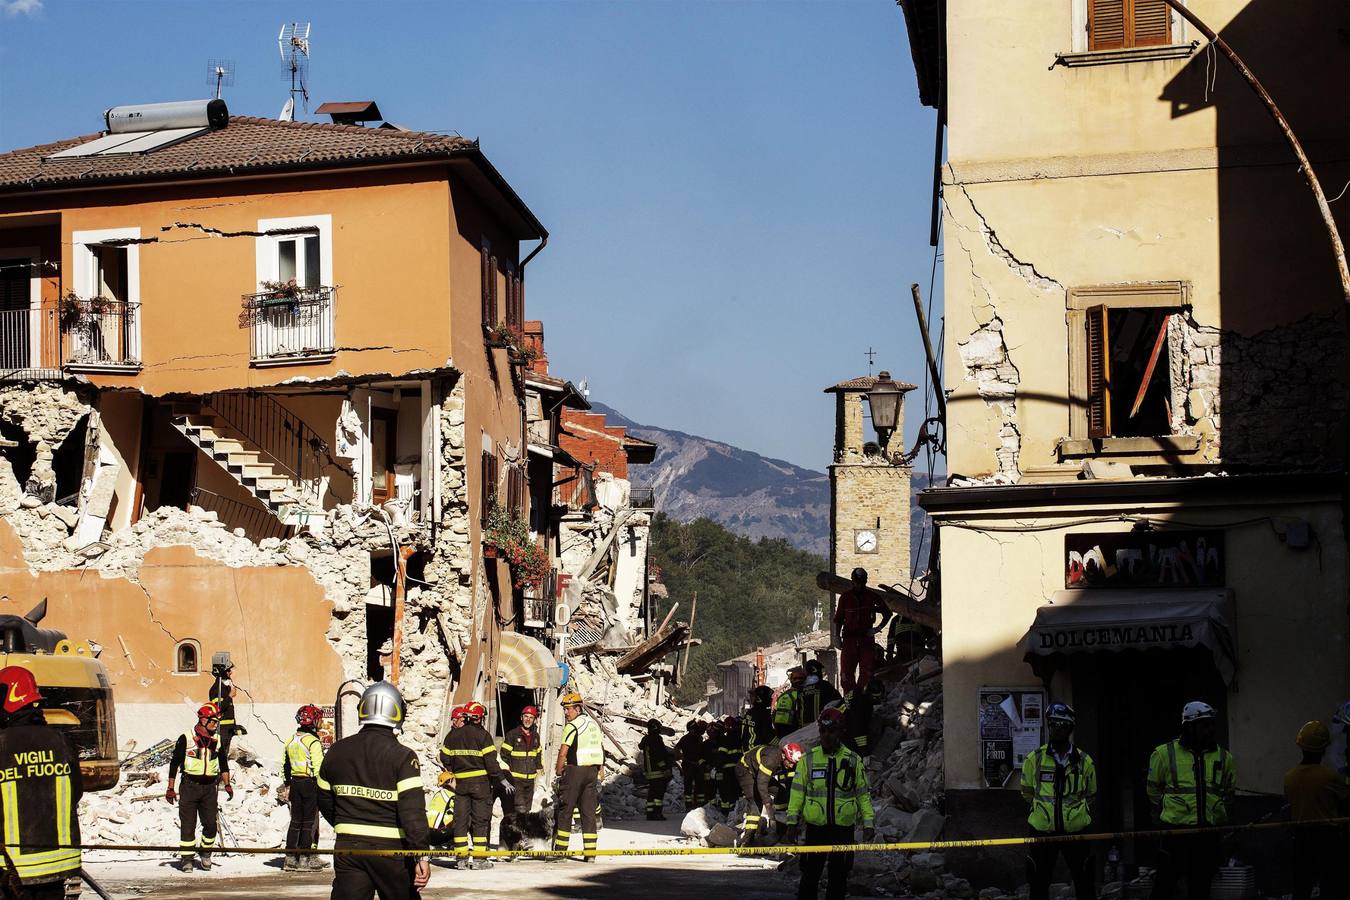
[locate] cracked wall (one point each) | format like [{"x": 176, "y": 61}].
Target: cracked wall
[{"x": 990, "y": 367}]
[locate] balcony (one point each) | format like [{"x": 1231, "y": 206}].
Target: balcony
[
  {"x": 540, "y": 601},
  {"x": 99, "y": 335},
  {"x": 642, "y": 498},
  {"x": 289, "y": 326}
]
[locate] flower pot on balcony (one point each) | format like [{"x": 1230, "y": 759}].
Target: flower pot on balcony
[{"x": 489, "y": 551}]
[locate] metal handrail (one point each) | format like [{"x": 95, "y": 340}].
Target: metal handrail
[
  {"x": 99, "y": 332},
  {"x": 276, "y": 432},
  {"x": 642, "y": 498},
  {"x": 256, "y": 520}
]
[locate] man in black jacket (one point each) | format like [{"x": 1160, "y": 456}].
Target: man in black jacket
[
  {"x": 469, "y": 754},
  {"x": 758, "y": 718},
  {"x": 222, "y": 695},
  {"x": 39, "y": 793},
  {"x": 370, "y": 791},
  {"x": 198, "y": 756},
  {"x": 655, "y": 758},
  {"x": 522, "y": 752},
  {"x": 689, "y": 749}
]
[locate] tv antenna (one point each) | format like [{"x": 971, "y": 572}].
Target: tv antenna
[
  {"x": 220, "y": 74},
  {"x": 293, "y": 44}
]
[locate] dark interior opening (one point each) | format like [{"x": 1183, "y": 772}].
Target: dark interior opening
[
  {"x": 68, "y": 463},
  {"x": 510, "y": 701},
  {"x": 20, "y": 457},
  {"x": 1135, "y": 334},
  {"x": 379, "y": 628}
]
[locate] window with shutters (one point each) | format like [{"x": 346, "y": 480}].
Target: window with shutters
[
  {"x": 1120, "y": 372},
  {"x": 515, "y": 300},
  {"x": 490, "y": 475},
  {"x": 1124, "y": 24},
  {"x": 489, "y": 286}
]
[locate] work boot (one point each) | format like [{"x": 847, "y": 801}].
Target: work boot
[
  {"x": 293, "y": 863},
  {"x": 184, "y": 864},
  {"x": 206, "y": 861},
  {"x": 480, "y": 865},
  {"x": 313, "y": 862}
]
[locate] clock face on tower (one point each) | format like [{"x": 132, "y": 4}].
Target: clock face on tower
[{"x": 865, "y": 540}]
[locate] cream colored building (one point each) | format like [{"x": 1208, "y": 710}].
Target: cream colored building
[{"x": 1146, "y": 378}]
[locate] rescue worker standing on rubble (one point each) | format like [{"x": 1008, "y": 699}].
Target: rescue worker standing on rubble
[
  {"x": 856, "y": 630},
  {"x": 787, "y": 711},
  {"x": 523, "y": 753},
  {"x": 689, "y": 750},
  {"x": 41, "y": 830},
  {"x": 1190, "y": 781},
  {"x": 222, "y": 695},
  {"x": 197, "y": 753},
  {"x": 756, "y": 773},
  {"x": 299, "y": 767},
  {"x": 1314, "y": 792},
  {"x": 655, "y": 757},
  {"x": 581, "y": 760},
  {"x": 469, "y": 754},
  {"x": 1059, "y": 781},
  {"x": 728, "y": 752},
  {"x": 759, "y": 718},
  {"x": 370, "y": 791},
  {"x": 830, "y": 794},
  {"x": 817, "y": 693}
]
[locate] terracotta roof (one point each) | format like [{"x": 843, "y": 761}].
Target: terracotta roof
[
  {"x": 246, "y": 145},
  {"x": 865, "y": 383}
]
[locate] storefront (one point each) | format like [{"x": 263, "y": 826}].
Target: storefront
[{"x": 1127, "y": 599}]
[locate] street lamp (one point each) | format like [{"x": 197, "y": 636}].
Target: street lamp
[{"x": 884, "y": 399}]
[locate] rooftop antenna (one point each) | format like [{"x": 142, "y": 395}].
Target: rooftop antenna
[
  {"x": 293, "y": 44},
  {"x": 871, "y": 355},
  {"x": 220, "y": 73}
]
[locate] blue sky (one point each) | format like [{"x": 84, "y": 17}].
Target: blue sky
[{"x": 737, "y": 193}]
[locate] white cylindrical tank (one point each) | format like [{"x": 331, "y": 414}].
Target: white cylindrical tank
[{"x": 162, "y": 116}]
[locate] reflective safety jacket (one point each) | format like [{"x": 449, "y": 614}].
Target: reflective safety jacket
[
  {"x": 857, "y": 709},
  {"x": 787, "y": 711},
  {"x": 198, "y": 762},
  {"x": 729, "y": 750},
  {"x": 764, "y": 762},
  {"x": 441, "y": 808},
  {"x": 304, "y": 755},
  {"x": 220, "y": 696},
  {"x": 815, "y": 697},
  {"x": 469, "y": 753},
  {"x": 689, "y": 748},
  {"x": 1060, "y": 795},
  {"x": 830, "y": 789},
  {"x": 522, "y": 752},
  {"x": 759, "y": 726},
  {"x": 370, "y": 791},
  {"x": 581, "y": 737},
  {"x": 39, "y": 788},
  {"x": 1185, "y": 789},
  {"x": 655, "y": 758}
]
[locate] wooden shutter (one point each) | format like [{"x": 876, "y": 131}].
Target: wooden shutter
[
  {"x": 492, "y": 291},
  {"x": 1106, "y": 24},
  {"x": 489, "y": 474},
  {"x": 1098, "y": 372},
  {"x": 1119, "y": 24},
  {"x": 1152, "y": 23},
  {"x": 487, "y": 308}
]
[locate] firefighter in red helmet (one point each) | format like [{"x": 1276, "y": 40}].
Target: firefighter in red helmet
[
  {"x": 299, "y": 767},
  {"x": 197, "y": 754}
]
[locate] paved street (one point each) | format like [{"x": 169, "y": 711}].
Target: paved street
[{"x": 653, "y": 878}]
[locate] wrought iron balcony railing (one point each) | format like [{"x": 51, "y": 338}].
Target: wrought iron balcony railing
[{"x": 289, "y": 324}]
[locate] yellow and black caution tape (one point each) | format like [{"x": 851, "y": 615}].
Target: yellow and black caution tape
[{"x": 780, "y": 850}]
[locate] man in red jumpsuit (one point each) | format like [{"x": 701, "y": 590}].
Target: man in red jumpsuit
[{"x": 855, "y": 631}]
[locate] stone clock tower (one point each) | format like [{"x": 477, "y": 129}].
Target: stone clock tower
[{"x": 869, "y": 491}]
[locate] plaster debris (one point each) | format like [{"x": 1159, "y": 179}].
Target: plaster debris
[{"x": 988, "y": 363}]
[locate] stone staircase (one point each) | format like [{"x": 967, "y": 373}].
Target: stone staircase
[{"x": 264, "y": 477}]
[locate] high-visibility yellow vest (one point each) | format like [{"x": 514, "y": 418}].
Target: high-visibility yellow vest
[
  {"x": 785, "y": 710},
  {"x": 1062, "y": 806},
  {"x": 830, "y": 789},
  {"x": 305, "y": 753},
  {"x": 1178, "y": 797},
  {"x": 201, "y": 761},
  {"x": 441, "y": 808},
  {"x": 584, "y": 734}
]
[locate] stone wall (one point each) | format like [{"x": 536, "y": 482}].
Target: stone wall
[{"x": 865, "y": 493}]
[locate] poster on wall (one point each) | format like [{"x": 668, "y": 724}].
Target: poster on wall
[{"x": 1010, "y": 730}]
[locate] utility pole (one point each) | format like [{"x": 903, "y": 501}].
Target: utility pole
[{"x": 1337, "y": 246}]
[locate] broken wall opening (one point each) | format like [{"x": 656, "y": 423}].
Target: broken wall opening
[
  {"x": 68, "y": 463},
  {"x": 20, "y": 456}
]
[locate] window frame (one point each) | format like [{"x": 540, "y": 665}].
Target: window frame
[
  {"x": 268, "y": 247},
  {"x": 1180, "y": 45},
  {"x": 1168, "y": 295},
  {"x": 84, "y": 257},
  {"x": 34, "y": 257},
  {"x": 196, "y": 648}
]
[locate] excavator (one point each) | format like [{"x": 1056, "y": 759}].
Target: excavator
[{"x": 78, "y": 695}]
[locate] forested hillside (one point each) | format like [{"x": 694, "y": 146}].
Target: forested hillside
[{"x": 750, "y": 593}]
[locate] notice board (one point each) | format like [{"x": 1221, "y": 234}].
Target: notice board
[{"x": 1011, "y": 728}]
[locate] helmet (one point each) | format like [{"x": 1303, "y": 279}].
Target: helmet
[
  {"x": 730, "y": 722},
  {"x": 815, "y": 667},
  {"x": 22, "y": 688},
  {"x": 1314, "y": 737},
  {"x": 653, "y": 724},
  {"x": 307, "y": 715},
  {"x": 445, "y": 778},
  {"x": 792, "y": 753},
  {"x": 530, "y": 711},
  {"x": 457, "y": 712},
  {"x": 475, "y": 711},
  {"x": 697, "y": 726},
  {"x": 381, "y": 704},
  {"x": 831, "y": 717},
  {"x": 1061, "y": 712},
  {"x": 764, "y": 692},
  {"x": 572, "y": 699},
  {"x": 859, "y": 572},
  {"x": 206, "y": 711},
  {"x": 796, "y": 673},
  {"x": 1196, "y": 710}
]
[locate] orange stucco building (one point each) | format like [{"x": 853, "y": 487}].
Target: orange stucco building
[{"x": 246, "y": 369}]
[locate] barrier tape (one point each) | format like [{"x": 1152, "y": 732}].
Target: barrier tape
[{"x": 780, "y": 850}]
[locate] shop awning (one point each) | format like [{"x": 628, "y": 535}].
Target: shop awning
[
  {"x": 1110, "y": 621},
  {"x": 524, "y": 662}
]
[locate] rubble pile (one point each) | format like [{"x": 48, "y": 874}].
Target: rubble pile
[{"x": 622, "y": 707}]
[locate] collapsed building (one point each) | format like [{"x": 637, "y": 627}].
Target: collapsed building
[{"x": 266, "y": 387}]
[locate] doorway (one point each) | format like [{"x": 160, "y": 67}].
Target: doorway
[
  {"x": 383, "y": 452},
  {"x": 15, "y": 313}
]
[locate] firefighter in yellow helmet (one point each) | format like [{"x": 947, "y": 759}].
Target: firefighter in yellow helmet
[
  {"x": 1315, "y": 792},
  {"x": 581, "y": 761},
  {"x": 41, "y": 831}
]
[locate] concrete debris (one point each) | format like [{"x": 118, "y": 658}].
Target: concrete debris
[{"x": 699, "y": 823}]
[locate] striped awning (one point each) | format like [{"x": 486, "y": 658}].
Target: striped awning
[{"x": 524, "y": 662}]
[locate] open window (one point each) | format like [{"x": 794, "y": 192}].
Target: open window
[
  {"x": 187, "y": 656},
  {"x": 291, "y": 314},
  {"x": 100, "y": 319}
]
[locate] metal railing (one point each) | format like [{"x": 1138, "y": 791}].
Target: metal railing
[
  {"x": 540, "y": 601},
  {"x": 256, "y": 520},
  {"x": 30, "y": 341},
  {"x": 289, "y": 324},
  {"x": 642, "y": 498},
  {"x": 277, "y": 433},
  {"x": 100, "y": 332}
]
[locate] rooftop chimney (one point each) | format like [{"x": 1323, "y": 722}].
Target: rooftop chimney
[{"x": 352, "y": 112}]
